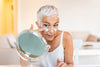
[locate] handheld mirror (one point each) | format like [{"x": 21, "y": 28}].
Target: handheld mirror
[{"x": 31, "y": 44}]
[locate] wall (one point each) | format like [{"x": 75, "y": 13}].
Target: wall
[
  {"x": 6, "y": 17},
  {"x": 75, "y": 15},
  {"x": 15, "y": 17}
]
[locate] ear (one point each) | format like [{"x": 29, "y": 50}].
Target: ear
[{"x": 37, "y": 24}]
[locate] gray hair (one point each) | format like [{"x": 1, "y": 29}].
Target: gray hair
[{"x": 47, "y": 10}]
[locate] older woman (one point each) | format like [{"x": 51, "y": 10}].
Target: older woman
[{"x": 61, "y": 52}]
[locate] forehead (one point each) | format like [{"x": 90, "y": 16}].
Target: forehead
[{"x": 53, "y": 19}]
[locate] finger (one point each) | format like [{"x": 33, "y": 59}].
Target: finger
[
  {"x": 58, "y": 60},
  {"x": 31, "y": 28},
  {"x": 60, "y": 64},
  {"x": 64, "y": 65},
  {"x": 40, "y": 30},
  {"x": 37, "y": 24}
]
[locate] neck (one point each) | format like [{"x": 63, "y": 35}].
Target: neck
[{"x": 50, "y": 42}]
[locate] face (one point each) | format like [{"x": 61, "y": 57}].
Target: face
[{"x": 51, "y": 23}]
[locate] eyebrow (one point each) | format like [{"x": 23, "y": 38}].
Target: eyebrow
[
  {"x": 56, "y": 22},
  {"x": 46, "y": 22},
  {"x": 49, "y": 23}
]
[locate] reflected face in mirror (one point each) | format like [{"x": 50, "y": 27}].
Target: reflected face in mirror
[{"x": 51, "y": 23}]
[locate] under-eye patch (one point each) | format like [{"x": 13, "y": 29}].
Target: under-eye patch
[{"x": 47, "y": 29}]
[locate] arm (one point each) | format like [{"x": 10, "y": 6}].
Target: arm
[{"x": 68, "y": 51}]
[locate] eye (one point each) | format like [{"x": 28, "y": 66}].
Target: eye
[
  {"x": 45, "y": 25},
  {"x": 55, "y": 25}
]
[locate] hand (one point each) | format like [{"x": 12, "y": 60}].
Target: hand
[
  {"x": 31, "y": 28},
  {"x": 38, "y": 30},
  {"x": 61, "y": 64}
]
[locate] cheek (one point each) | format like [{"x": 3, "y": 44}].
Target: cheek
[{"x": 45, "y": 34}]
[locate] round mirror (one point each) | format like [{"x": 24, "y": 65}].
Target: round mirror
[{"x": 31, "y": 44}]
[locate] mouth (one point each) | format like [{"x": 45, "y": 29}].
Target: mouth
[{"x": 50, "y": 36}]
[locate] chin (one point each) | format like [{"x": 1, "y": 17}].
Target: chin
[{"x": 49, "y": 39}]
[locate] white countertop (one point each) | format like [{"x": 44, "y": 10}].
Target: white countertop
[
  {"x": 78, "y": 66},
  {"x": 89, "y": 51}
]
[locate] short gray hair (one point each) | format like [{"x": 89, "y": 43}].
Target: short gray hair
[{"x": 47, "y": 10}]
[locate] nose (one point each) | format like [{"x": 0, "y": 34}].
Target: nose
[{"x": 51, "y": 29}]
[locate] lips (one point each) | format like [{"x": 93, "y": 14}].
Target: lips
[{"x": 50, "y": 36}]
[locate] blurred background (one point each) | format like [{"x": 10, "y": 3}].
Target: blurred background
[{"x": 79, "y": 17}]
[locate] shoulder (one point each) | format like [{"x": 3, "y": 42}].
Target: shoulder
[
  {"x": 67, "y": 35},
  {"x": 67, "y": 39}
]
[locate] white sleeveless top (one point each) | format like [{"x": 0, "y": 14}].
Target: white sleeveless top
[{"x": 52, "y": 57}]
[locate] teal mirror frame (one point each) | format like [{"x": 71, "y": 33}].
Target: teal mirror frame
[{"x": 27, "y": 40}]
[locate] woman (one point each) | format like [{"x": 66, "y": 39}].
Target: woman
[{"x": 61, "y": 52}]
